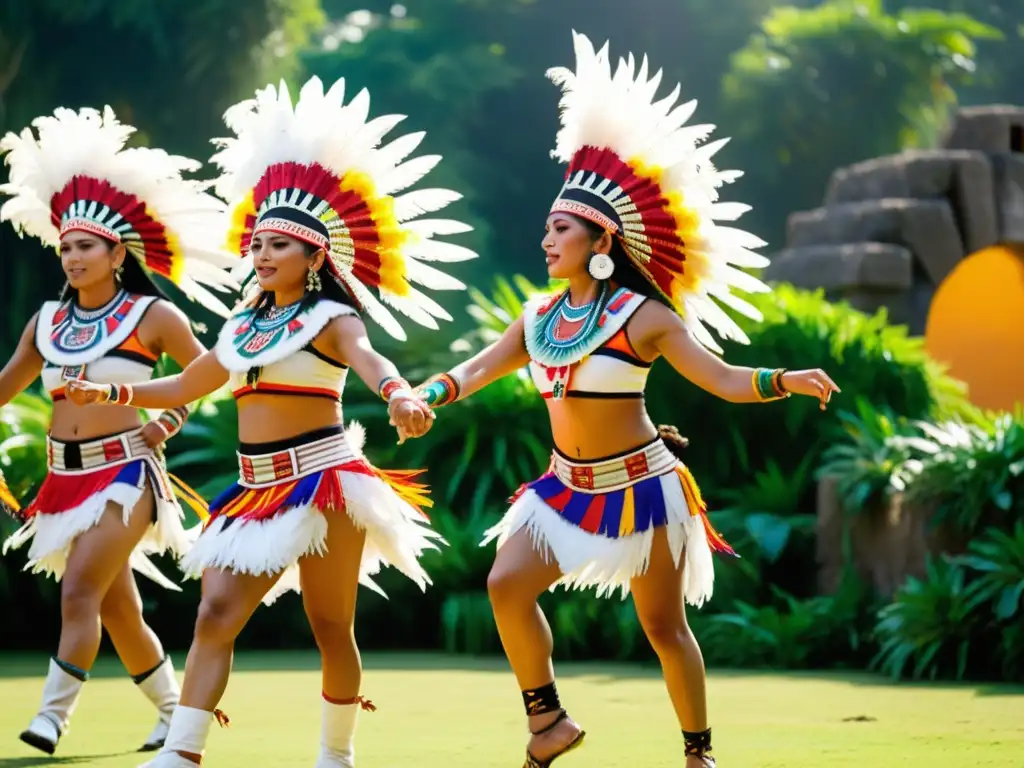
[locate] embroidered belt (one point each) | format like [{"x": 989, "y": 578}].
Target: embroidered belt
[
  {"x": 267, "y": 469},
  {"x": 74, "y": 457},
  {"x": 605, "y": 475}
]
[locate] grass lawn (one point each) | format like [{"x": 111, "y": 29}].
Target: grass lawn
[{"x": 436, "y": 711}]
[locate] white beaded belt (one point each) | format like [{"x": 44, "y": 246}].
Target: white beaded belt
[
  {"x": 105, "y": 452},
  {"x": 606, "y": 475},
  {"x": 268, "y": 469}
]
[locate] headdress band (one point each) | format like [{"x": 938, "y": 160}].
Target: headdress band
[
  {"x": 81, "y": 224},
  {"x": 578, "y": 202},
  {"x": 284, "y": 220}
]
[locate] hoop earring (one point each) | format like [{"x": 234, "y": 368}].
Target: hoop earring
[
  {"x": 313, "y": 283},
  {"x": 601, "y": 266},
  {"x": 118, "y": 271}
]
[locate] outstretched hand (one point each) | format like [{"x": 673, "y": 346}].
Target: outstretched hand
[
  {"x": 813, "y": 383},
  {"x": 411, "y": 417},
  {"x": 86, "y": 393}
]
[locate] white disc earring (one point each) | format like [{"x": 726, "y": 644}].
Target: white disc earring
[{"x": 601, "y": 266}]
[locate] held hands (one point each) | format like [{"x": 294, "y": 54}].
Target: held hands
[
  {"x": 814, "y": 383},
  {"x": 411, "y": 416}
]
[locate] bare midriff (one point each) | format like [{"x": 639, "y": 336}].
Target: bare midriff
[
  {"x": 268, "y": 418},
  {"x": 75, "y": 423},
  {"x": 585, "y": 428}
]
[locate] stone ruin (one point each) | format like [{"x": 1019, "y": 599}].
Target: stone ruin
[
  {"x": 890, "y": 231},
  {"x": 892, "y": 228}
]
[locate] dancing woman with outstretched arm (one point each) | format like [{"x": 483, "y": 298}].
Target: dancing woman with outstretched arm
[
  {"x": 116, "y": 217},
  {"x": 618, "y": 509},
  {"x": 308, "y": 512}
]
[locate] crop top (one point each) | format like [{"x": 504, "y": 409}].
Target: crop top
[
  {"x": 600, "y": 364},
  {"x": 102, "y": 344},
  {"x": 280, "y": 343}
]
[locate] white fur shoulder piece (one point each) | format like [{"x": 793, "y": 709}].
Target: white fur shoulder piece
[
  {"x": 67, "y": 335},
  {"x": 246, "y": 341}
]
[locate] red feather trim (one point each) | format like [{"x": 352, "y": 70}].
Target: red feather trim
[{"x": 59, "y": 493}]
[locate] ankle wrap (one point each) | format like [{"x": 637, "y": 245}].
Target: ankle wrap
[
  {"x": 697, "y": 743},
  {"x": 76, "y": 672},
  {"x": 540, "y": 701},
  {"x": 139, "y": 679}
]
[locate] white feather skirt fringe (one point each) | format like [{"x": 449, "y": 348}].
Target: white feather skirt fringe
[
  {"x": 53, "y": 535},
  {"x": 396, "y": 535},
  {"x": 594, "y": 560}
]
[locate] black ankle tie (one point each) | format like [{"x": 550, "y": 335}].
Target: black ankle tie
[
  {"x": 697, "y": 743},
  {"x": 71, "y": 669},
  {"x": 540, "y": 701}
]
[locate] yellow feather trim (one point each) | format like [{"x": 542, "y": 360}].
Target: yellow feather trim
[
  {"x": 391, "y": 236},
  {"x": 243, "y": 209}
]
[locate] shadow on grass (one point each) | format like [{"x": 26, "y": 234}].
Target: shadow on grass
[
  {"x": 45, "y": 760},
  {"x": 602, "y": 673}
]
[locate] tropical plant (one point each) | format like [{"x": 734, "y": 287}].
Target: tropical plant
[
  {"x": 933, "y": 623},
  {"x": 875, "y": 457},
  {"x": 24, "y": 424},
  {"x": 974, "y": 472},
  {"x": 997, "y": 560},
  {"x": 788, "y": 632},
  {"x": 808, "y": 70},
  {"x": 204, "y": 451}
]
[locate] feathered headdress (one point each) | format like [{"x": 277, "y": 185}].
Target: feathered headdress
[
  {"x": 316, "y": 172},
  {"x": 636, "y": 169},
  {"x": 77, "y": 175}
]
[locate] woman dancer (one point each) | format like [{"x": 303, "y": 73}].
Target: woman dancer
[
  {"x": 116, "y": 215},
  {"x": 632, "y": 232},
  {"x": 317, "y": 216}
]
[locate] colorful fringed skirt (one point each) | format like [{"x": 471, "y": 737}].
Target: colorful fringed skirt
[
  {"x": 597, "y": 519},
  {"x": 287, "y": 491},
  {"x": 84, "y": 477}
]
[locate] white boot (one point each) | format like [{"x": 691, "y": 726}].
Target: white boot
[
  {"x": 190, "y": 727},
  {"x": 161, "y": 687},
  {"x": 337, "y": 735},
  {"x": 60, "y": 695}
]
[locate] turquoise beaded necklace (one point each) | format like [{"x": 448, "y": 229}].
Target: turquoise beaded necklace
[{"x": 590, "y": 313}]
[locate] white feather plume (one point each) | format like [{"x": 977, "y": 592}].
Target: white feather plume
[
  {"x": 320, "y": 128},
  {"x": 616, "y": 109},
  {"x": 91, "y": 143}
]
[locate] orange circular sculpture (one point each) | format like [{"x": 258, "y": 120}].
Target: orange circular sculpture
[{"x": 976, "y": 326}]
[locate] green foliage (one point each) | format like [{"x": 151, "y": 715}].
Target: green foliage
[
  {"x": 204, "y": 450},
  {"x": 873, "y": 459},
  {"x": 789, "y": 633},
  {"x": 998, "y": 559},
  {"x": 974, "y": 472},
  {"x": 866, "y": 357},
  {"x": 933, "y": 623},
  {"x": 24, "y": 424},
  {"x": 807, "y": 72}
]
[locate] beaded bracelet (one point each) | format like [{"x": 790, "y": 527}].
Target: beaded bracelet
[
  {"x": 394, "y": 388},
  {"x": 172, "y": 420},
  {"x": 120, "y": 394},
  {"x": 768, "y": 384},
  {"x": 388, "y": 385},
  {"x": 439, "y": 390}
]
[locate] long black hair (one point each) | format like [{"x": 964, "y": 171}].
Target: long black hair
[
  {"x": 133, "y": 278},
  {"x": 330, "y": 288},
  {"x": 629, "y": 277}
]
